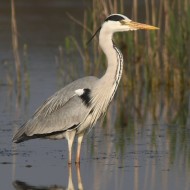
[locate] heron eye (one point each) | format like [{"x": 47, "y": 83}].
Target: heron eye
[{"x": 115, "y": 18}]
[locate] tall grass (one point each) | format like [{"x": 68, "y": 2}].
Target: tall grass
[
  {"x": 21, "y": 73},
  {"x": 156, "y": 72},
  {"x": 15, "y": 44},
  {"x": 154, "y": 58}
]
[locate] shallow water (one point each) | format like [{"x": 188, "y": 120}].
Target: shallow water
[{"x": 135, "y": 152}]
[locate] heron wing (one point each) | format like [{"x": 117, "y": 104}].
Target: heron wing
[
  {"x": 64, "y": 95},
  {"x": 60, "y": 112}
]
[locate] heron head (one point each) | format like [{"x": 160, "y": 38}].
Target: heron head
[{"x": 120, "y": 23}]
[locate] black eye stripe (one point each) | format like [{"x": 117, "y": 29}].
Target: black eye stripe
[{"x": 114, "y": 18}]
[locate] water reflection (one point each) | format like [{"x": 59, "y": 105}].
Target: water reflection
[{"x": 20, "y": 185}]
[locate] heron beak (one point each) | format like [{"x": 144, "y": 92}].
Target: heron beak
[{"x": 137, "y": 25}]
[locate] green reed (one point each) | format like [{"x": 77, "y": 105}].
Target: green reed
[{"x": 178, "y": 41}]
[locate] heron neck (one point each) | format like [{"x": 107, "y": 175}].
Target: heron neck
[
  {"x": 114, "y": 58},
  {"x": 106, "y": 87}
]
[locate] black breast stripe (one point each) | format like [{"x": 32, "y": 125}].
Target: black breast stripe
[{"x": 86, "y": 96}]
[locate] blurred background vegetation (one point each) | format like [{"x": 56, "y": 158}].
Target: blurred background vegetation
[{"x": 157, "y": 64}]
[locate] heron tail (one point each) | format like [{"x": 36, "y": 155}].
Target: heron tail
[{"x": 20, "y": 135}]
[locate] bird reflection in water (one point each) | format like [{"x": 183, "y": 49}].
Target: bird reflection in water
[{"x": 20, "y": 185}]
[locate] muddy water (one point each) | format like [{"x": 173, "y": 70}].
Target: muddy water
[{"x": 146, "y": 154}]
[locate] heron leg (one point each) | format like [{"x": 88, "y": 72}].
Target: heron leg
[
  {"x": 70, "y": 135},
  {"x": 80, "y": 138}
]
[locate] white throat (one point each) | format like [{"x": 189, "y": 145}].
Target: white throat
[{"x": 113, "y": 55}]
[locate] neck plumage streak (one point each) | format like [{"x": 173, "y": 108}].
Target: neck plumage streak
[
  {"x": 119, "y": 70},
  {"x": 100, "y": 107}
]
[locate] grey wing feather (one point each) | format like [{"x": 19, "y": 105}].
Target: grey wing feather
[{"x": 60, "y": 112}]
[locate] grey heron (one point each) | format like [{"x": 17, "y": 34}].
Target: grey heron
[{"x": 75, "y": 109}]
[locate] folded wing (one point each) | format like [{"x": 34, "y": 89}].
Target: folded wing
[{"x": 63, "y": 111}]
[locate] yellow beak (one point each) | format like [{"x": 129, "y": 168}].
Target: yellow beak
[{"x": 137, "y": 25}]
